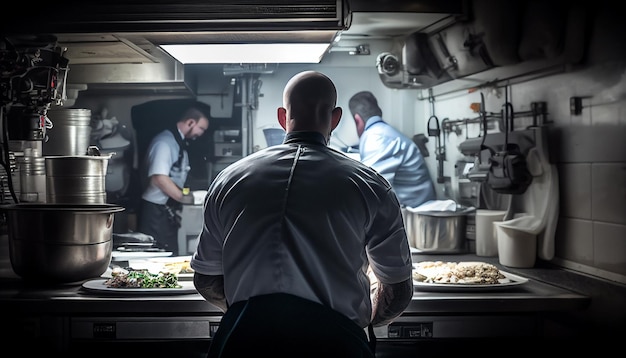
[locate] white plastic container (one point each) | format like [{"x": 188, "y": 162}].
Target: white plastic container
[
  {"x": 486, "y": 241},
  {"x": 516, "y": 248}
]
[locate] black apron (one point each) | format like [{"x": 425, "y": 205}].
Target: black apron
[{"x": 284, "y": 325}]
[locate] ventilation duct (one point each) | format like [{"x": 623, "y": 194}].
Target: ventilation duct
[
  {"x": 422, "y": 67},
  {"x": 410, "y": 64},
  {"x": 255, "y": 68}
]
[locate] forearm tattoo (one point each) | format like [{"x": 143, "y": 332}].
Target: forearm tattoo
[
  {"x": 212, "y": 289},
  {"x": 389, "y": 301}
]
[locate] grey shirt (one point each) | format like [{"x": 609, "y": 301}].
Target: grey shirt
[
  {"x": 304, "y": 219},
  {"x": 162, "y": 154}
]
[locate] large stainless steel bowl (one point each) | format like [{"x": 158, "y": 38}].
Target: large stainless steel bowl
[
  {"x": 60, "y": 243},
  {"x": 437, "y": 232}
]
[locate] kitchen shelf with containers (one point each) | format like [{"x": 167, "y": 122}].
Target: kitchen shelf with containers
[
  {"x": 227, "y": 149},
  {"x": 227, "y": 143}
]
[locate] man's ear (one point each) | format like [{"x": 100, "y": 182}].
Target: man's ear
[
  {"x": 336, "y": 117},
  {"x": 190, "y": 122},
  {"x": 281, "y": 114}
]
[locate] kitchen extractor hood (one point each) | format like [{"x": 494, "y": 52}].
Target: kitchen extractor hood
[
  {"x": 182, "y": 16},
  {"x": 94, "y": 49},
  {"x": 106, "y": 32},
  {"x": 163, "y": 75},
  {"x": 110, "y": 23},
  {"x": 117, "y": 42}
]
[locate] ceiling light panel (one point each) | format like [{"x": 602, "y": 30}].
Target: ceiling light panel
[{"x": 247, "y": 53}]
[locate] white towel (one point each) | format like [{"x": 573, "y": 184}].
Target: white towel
[
  {"x": 435, "y": 205},
  {"x": 540, "y": 204}
]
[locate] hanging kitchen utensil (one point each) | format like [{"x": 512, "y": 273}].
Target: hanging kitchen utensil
[
  {"x": 440, "y": 151},
  {"x": 480, "y": 169},
  {"x": 420, "y": 140},
  {"x": 508, "y": 171}
]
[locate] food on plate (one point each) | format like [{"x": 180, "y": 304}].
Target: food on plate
[
  {"x": 122, "y": 278},
  {"x": 457, "y": 273},
  {"x": 175, "y": 264},
  {"x": 178, "y": 266}
]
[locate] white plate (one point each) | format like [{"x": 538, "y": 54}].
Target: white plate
[
  {"x": 100, "y": 287},
  {"x": 186, "y": 276},
  {"x": 510, "y": 281},
  {"x": 119, "y": 255},
  {"x": 135, "y": 244}
]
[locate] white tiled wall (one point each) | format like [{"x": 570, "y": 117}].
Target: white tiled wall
[{"x": 589, "y": 150}]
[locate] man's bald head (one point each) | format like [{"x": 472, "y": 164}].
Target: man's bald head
[{"x": 309, "y": 101}]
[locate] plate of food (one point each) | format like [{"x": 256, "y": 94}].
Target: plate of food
[
  {"x": 181, "y": 265},
  {"x": 140, "y": 282},
  {"x": 462, "y": 276}
]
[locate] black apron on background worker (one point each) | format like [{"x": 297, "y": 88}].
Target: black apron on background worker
[{"x": 162, "y": 221}]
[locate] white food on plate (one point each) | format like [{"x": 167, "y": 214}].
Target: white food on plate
[{"x": 457, "y": 273}]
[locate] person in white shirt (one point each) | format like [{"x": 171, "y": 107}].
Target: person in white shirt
[{"x": 391, "y": 153}]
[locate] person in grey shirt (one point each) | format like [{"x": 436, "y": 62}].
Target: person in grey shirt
[
  {"x": 165, "y": 171},
  {"x": 391, "y": 153},
  {"x": 302, "y": 246}
]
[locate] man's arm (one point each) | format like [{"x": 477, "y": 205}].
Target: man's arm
[
  {"x": 389, "y": 301},
  {"x": 212, "y": 289},
  {"x": 167, "y": 186}
]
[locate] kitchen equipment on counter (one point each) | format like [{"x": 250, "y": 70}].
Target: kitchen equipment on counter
[
  {"x": 190, "y": 227},
  {"x": 274, "y": 136},
  {"x": 227, "y": 143},
  {"x": 536, "y": 212},
  {"x": 76, "y": 179},
  {"x": 134, "y": 244},
  {"x": 133, "y": 239},
  {"x": 486, "y": 242},
  {"x": 60, "y": 243},
  {"x": 32, "y": 169},
  {"x": 516, "y": 248},
  {"x": 70, "y": 131},
  {"x": 437, "y": 232}
]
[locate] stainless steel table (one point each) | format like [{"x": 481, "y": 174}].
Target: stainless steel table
[{"x": 69, "y": 318}]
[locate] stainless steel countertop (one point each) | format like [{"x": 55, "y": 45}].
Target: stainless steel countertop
[
  {"x": 536, "y": 295},
  {"x": 72, "y": 299}
]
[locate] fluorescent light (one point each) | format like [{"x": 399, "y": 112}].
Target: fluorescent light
[{"x": 248, "y": 53}]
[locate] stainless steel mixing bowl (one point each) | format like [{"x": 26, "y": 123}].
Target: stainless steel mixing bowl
[{"x": 60, "y": 243}]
